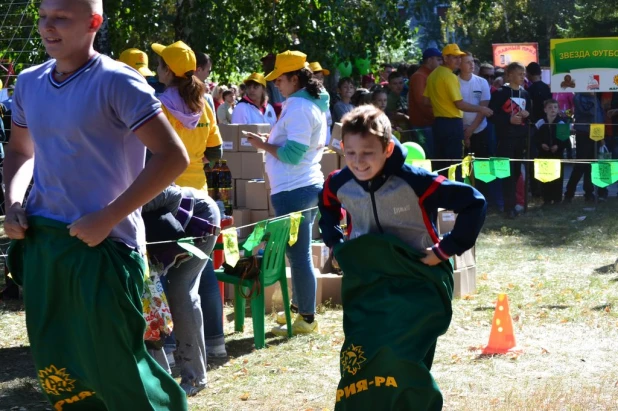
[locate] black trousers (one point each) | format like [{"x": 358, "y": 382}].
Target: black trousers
[{"x": 513, "y": 148}]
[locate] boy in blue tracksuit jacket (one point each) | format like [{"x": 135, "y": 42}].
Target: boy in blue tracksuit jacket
[{"x": 382, "y": 194}]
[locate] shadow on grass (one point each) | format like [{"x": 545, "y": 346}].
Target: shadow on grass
[
  {"x": 18, "y": 382},
  {"x": 606, "y": 269},
  {"x": 602, "y": 307},
  {"x": 559, "y": 225},
  {"x": 11, "y": 305},
  {"x": 16, "y": 363},
  {"x": 556, "y": 307},
  {"x": 488, "y": 308}
]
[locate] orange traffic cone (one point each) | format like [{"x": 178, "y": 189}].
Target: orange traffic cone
[{"x": 501, "y": 338}]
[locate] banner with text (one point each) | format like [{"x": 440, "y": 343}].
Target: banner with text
[
  {"x": 524, "y": 53},
  {"x": 584, "y": 65}
]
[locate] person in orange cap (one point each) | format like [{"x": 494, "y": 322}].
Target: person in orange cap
[{"x": 254, "y": 108}]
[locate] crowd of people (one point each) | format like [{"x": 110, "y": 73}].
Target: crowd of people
[{"x": 100, "y": 200}]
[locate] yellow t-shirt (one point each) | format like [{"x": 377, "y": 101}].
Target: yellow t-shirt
[
  {"x": 443, "y": 91},
  {"x": 196, "y": 140}
]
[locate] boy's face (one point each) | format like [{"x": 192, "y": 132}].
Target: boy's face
[
  {"x": 517, "y": 76},
  {"x": 229, "y": 99},
  {"x": 551, "y": 110},
  {"x": 381, "y": 101},
  {"x": 396, "y": 85},
  {"x": 365, "y": 156},
  {"x": 347, "y": 90}
]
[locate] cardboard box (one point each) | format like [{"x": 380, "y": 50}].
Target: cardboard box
[
  {"x": 252, "y": 166},
  {"x": 330, "y": 286},
  {"x": 242, "y": 217},
  {"x": 244, "y": 145},
  {"x": 256, "y": 196},
  {"x": 465, "y": 281},
  {"x": 329, "y": 163},
  {"x": 274, "y": 298},
  {"x": 240, "y": 190},
  {"x": 335, "y": 139},
  {"x": 258, "y": 215},
  {"x": 229, "y": 135},
  {"x": 271, "y": 209},
  {"x": 446, "y": 221},
  {"x": 467, "y": 259},
  {"x": 234, "y": 163},
  {"x": 320, "y": 253},
  {"x": 266, "y": 179}
]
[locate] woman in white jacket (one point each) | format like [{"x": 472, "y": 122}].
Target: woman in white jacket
[
  {"x": 293, "y": 153},
  {"x": 253, "y": 108}
]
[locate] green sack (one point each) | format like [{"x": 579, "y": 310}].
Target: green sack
[{"x": 394, "y": 310}]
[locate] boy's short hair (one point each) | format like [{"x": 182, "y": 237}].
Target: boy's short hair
[
  {"x": 514, "y": 66},
  {"x": 394, "y": 75},
  {"x": 229, "y": 92},
  {"x": 367, "y": 121},
  {"x": 549, "y": 101},
  {"x": 533, "y": 69},
  {"x": 378, "y": 90},
  {"x": 201, "y": 59},
  {"x": 344, "y": 80},
  {"x": 468, "y": 54},
  {"x": 487, "y": 66}
]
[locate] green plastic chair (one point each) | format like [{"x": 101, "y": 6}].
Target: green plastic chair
[{"x": 272, "y": 271}]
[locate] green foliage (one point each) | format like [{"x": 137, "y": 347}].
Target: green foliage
[{"x": 20, "y": 43}]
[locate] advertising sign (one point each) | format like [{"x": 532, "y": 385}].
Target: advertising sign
[
  {"x": 524, "y": 53},
  {"x": 584, "y": 65}
]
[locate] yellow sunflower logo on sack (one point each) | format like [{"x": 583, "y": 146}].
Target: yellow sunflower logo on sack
[
  {"x": 352, "y": 358},
  {"x": 616, "y": 80},
  {"x": 54, "y": 380}
]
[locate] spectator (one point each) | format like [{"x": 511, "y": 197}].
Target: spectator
[
  {"x": 588, "y": 110},
  {"x": 320, "y": 73},
  {"x": 204, "y": 66},
  {"x": 368, "y": 81},
  {"x": 412, "y": 68},
  {"x": 275, "y": 98},
  {"x": 509, "y": 105},
  {"x": 477, "y": 67},
  {"x": 397, "y": 105},
  {"x": 539, "y": 92},
  {"x": 361, "y": 97},
  {"x": 138, "y": 60},
  {"x": 217, "y": 95},
  {"x": 387, "y": 69},
  {"x": 549, "y": 146},
  {"x": 346, "y": 90},
  {"x": 224, "y": 112},
  {"x": 420, "y": 114},
  {"x": 254, "y": 107},
  {"x": 475, "y": 91},
  {"x": 444, "y": 96},
  {"x": 379, "y": 98},
  {"x": 487, "y": 72}
]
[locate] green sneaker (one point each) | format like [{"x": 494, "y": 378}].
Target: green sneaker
[{"x": 300, "y": 326}]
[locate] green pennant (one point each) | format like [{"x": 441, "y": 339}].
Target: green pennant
[
  {"x": 482, "y": 171},
  {"x": 501, "y": 167},
  {"x": 563, "y": 131},
  {"x": 255, "y": 237},
  {"x": 601, "y": 174},
  {"x": 614, "y": 171}
]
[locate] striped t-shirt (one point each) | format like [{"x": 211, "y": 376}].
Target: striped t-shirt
[{"x": 85, "y": 151}]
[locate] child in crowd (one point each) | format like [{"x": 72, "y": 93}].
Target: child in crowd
[
  {"x": 361, "y": 97},
  {"x": 224, "y": 112},
  {"x": 510, "y": 104},
  {"x": 411, "y": 276},
  {"x": 379, "y": 98},
  {"x": 549, "y": 146},
  {"x": 346, "y": 90}
]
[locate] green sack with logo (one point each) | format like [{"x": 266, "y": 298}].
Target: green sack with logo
[{"x": 394, "y": 309}]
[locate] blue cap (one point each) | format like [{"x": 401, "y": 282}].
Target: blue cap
[{"x": 431, "y": 52}]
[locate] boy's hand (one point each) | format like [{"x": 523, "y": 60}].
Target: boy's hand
[
  {"x": 516, "y": 119},
  {"x": 524, "y": 113},
  {"x": 93, "y": 228},
  {"x": 554, "y": 149},
  {"x": 486, "y": 111},
  {"x": 545, "y": 147},
  {"x": 467, "y": 134},
  {"x": 15, "y": 222},
  {"x": 430, "y": 258}
]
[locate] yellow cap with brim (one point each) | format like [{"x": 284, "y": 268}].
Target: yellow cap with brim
[
  {"x": 287, "y": 62},
  {"x": 317, "y": 67},
  {"x": 452, "y": 50},
  {"x": 257, "y": 78},
  {"x": 179, "y": 57},
  {"x": 138, "y": 60}
]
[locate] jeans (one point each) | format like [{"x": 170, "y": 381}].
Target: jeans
[
  {"x": 448, "y": 138},
  {"x": 211, "y": 307},
  {"x": 304, "y": 283}
]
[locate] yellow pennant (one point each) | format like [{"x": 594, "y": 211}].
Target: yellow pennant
[
  {"x": 230, "y": 246},
  {"x": 546, "y": 170},
  {"x": 294, "y": 225},
  {"x": 451, "y": 172},
  {"x": 465, "y": 166},
  {"x": 597, "y": 132},
  {"x": 424, "y": 164}
]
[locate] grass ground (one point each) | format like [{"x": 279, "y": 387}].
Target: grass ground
[{"x": 557, "y": 269}]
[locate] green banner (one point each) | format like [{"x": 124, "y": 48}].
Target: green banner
[
  {"x": 563, "y": 131},
  {"x": 500, "y": 166},
  {"x": 483, "y": 171},
  {"x": 593, "y": 53},
  {"x": 604, "y": 173}
]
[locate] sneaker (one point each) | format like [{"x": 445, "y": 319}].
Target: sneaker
[
  {"x": 300, "y": 326},
  {"x": 281, "y": 318},
  {"x": 191, "y": 388},
  {"x": 217, "y": 351}
]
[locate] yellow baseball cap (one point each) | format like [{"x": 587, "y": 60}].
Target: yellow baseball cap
[
  {"x": 317, "y": 67},
  {"x": 286, "y": 62},
  {"x": 138, "y": 60},
  {"x": 1, "y": 84},
  {"x": 256, "y": 77},
  {"x": 452, "y": 50},
  {"x": 179, "y": 57}
]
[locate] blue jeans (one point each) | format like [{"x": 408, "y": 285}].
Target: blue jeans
[
  {"x": 211, "y": 307},
  {"x": 304, "y": 283}
]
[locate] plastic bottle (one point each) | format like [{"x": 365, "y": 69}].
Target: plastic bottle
[
  {"x": 225, "y": 187},
  {"x": 209, "y": 180},
  {"x": 215, "y": 181}
]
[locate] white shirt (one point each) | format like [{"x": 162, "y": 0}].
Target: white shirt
[
  {"x": 247, "y": 113},
  {"x": 474, "y": 91}
]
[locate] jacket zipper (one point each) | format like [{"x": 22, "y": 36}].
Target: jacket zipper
[{"x": 375, "y": 209}]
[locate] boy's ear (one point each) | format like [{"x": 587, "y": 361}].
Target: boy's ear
[
  {"x": 96, "y": 22},
  {"x": 389, "y": 148},
  {"x": 342, "y": 143}
]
